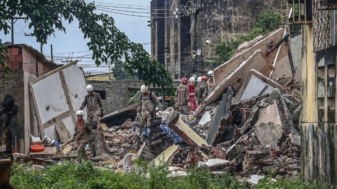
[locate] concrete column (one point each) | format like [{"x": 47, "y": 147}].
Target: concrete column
[{"x": 318, "y": 129}]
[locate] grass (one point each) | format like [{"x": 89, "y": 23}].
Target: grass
[{"x": 84, "y": 175}]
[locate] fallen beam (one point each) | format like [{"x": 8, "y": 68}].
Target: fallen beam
[
  {"x": 184, "y": 131},
  {"x": 223, "y": 112},
  {"x": 166, "y": 155}
]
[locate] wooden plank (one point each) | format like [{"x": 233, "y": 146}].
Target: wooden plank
[
  {"x": 165, "y": 156},
  {"x": 257, "y": 61}
]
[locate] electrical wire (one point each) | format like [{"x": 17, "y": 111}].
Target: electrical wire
[{"x": 113, "y": 3}]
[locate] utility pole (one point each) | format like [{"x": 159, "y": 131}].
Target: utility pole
[
  {"x": 12, "y": 26},
  {"x": 51, "y": 52}
]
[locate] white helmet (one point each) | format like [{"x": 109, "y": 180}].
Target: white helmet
[
  {"x": 210, "y": 73},
  {"x": 199, "y": 79},
  {"x": 192, "y": 79},
  {"x": 143, "y": 89},
  {"x": 80, "y": 112},
  {"x": 90, "y": 88}
]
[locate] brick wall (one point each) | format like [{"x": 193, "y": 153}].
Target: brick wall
[{"x": 15, "y": 58}]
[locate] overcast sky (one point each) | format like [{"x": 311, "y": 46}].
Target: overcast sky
[{"x": 135, "y": 27}]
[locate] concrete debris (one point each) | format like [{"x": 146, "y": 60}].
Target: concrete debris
[
  {"x": 256, "y": 60},
  {"x": 247, "y": 126}
]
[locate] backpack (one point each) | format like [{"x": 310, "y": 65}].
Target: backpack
[{"x": 140, "y": 98}]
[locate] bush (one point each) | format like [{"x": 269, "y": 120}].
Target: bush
[{"x": 85, "y": 176}]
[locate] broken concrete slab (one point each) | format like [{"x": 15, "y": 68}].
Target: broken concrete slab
[
  {"x": 222, "y": 71},
  {"x": 166, "y": 155},
  {"x": 56, "y": 96},
  {"x": 256, "y": 84},
  {"x": 269, "y": 114},
  {"x": 184, "y": 131},
  {"x": 254, "y": 179},
  {"x": 235, "y": 79},
  {"x": 223, "y": 112},
  {"x": 268, "y": 133},
  {"x": 206, "y": 117},
  {"x": 216, "y": 162}
]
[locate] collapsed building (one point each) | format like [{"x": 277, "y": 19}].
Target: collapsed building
[{"x": 248, "y": 125}]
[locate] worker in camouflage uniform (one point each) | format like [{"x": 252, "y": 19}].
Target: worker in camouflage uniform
[
  {"x": 147, "y": 107},
  {"x": 82, "y": 133},
  {"x": 199, "y": 91},
  {"x": 183, "y": 97},
  {"x": 94, "y": 105},
  {"x": 9, "y": 124},
  {"x": 210, "y": 85}
]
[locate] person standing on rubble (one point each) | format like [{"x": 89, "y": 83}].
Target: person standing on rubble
[
  {"x": 183, "y": 97},
  {"x": 191, "y": 89},
  {"x": 94, "y": 105},
  {"x": 9, "y": 124},
  {"x": 147, "y": 107},
  {"x": 210, "y": 86},
  {"x": 82, "y": 133},
  {"x": 200, "y": 93}
]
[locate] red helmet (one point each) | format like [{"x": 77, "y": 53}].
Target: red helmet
[{"x": 184, "y": 80}]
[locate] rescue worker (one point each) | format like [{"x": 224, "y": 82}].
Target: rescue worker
[
  {"x": 147, "y": 107},
  {"x": 210, "y": 86},
  {"x": 191, "y": 89},
  {"x": 82, "y": 132},
  {"x": 197, "y": 90},
  {"x": 202, "y": 87},
  {"x": 183, "y": 97},
  {"x": 9, "y": 124},
  {"x": 94, "y": 105}
]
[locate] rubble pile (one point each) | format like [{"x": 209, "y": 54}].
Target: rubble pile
[{"x": 248, "y": 125}]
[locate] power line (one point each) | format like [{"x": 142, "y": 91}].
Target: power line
[
  {"x": 115, "y": 4},
  {"x": 124, "y": 14}
]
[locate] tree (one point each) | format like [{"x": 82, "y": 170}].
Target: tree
[
  {"x": 119, "y": 72},
  {"x": 106, "y": 41}
]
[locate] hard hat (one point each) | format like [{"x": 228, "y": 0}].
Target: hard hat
[
  {"x": 192, "y": 79},
  {"x": 199, "y": 79},
  {"x": 184, "y": 80},
  {"x": 90, "y": 88},
  {"x": 143, "y": 89},
  {"x": 210, "y": 73},
  {"x": 204, "y": 77},
  {"x": 80, "y": 112}
]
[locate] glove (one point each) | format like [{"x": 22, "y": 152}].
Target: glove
[
  {"x": 102, "y": 114},
  {"x": 78, "y": 137},
  {"x": 81, "y": 108}
]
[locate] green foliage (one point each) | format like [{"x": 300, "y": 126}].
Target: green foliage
[
  {"x": 106, "y": 41},
  {"x": 119, "y": 72},
  {"x": 85, "y": 175},
  {"x": 268, "y": 183},
  {"x": 135, "y": 98},
  {"x": 266, "y": 23}
]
